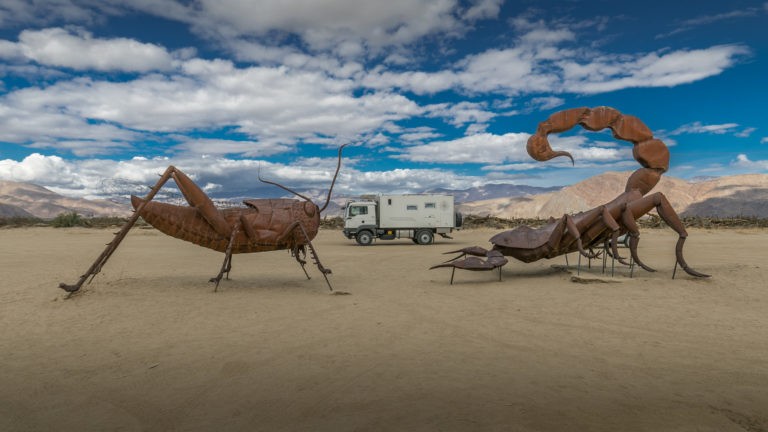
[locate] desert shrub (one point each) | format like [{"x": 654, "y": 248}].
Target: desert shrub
[{"x": 69, "y": 219}]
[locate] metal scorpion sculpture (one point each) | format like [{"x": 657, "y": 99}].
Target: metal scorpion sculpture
[
  {"x": 263, "y": 225},
  {"x": 599, "y": 226}
]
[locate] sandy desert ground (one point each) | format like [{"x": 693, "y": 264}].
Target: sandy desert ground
[{"x": 148, "y": 346}]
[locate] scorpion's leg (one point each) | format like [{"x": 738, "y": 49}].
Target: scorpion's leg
[
  {"x": 668, "y": 214},
  {"x": 614, "y": 227},
  {"x": 574, "y": 231},
  {"x": 226, "y": 266},
  {"x": 628, "y": 215},
  {"x": 642, "y": 206}
]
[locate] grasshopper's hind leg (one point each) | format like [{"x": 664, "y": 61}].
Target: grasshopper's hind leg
[{"x": 102, "y": 259}]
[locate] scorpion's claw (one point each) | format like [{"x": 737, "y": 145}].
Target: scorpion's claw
[
  {"x": 494, "y": 259},
  {"x": 472, "y": 250}
]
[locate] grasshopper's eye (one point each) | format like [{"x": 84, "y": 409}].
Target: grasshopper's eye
[{"x": 310, "y": 208}]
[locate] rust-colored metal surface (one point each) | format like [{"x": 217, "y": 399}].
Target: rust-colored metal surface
[
  {"x": 600, "y": 226},
  {"x": 262, "y": 225}
]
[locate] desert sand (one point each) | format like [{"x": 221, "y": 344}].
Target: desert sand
[{"x": 148, "y": 345}]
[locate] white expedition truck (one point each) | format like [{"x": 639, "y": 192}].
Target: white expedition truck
[{"x": 387, "y": 217}]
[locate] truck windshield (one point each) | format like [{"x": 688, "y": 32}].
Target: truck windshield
[{"x": 358, "y": 210}]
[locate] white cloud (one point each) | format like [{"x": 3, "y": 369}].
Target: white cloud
[
  {"x": 764, "y": 140},
  {"x": 745, "y": 133},
  {"x": 275, "y": 105},
  {"x": 15, "y": 12},
  {"x": 742, "y": 161},
  {"x": 615, "y": 72},
  {"x": 702, "y": 20},
  {"x": 224, "y": 147},
  {"x": 545, "y": 103},
  {"x": 483, "y": 9},
  {"x": 81, "y": 51},
  {"x": 461, "y": 113},
  {"x": 483, "y": 148},
  {"x": 496, "y": 150},
  {"x": 101, "y": 178},
  {"x": 331, "y": 25},
  {"x": 700, "y": 128},
  {"x": 47, "y": 126},
  {"x": 539, "y": 63}
]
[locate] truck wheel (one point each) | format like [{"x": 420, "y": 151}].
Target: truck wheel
[
  {"x": 364, "y": 238},
  {"x": 424, "y": 237}
]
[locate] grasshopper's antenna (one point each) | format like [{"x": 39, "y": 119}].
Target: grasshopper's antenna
[
  {"x": 338, "y": 167},
  {"x": 281, "y": 186}
]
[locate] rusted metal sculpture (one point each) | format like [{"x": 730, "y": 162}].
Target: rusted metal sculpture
[
  {"x": 263, "y": 225},
  {"x": 600, "y": 226}
]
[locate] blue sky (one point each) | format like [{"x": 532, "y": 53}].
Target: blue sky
[{"x": 98, "y": 96}]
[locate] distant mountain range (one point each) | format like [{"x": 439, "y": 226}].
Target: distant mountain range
[
  {"x": 731, "y": 196},
  {"x": 743, "y": 195},
  {"x": 29, "y": 200},
  {"x": 493, "y": 191}
]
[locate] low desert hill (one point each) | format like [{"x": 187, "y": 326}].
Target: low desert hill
[
  {"x": 25, "y": 200},
  {"x": 743, "y": 195}
]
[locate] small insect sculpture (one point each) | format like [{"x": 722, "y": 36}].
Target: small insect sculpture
[
  {"x": 263, "y": 225},
  {"x": 599, "y": 226}
]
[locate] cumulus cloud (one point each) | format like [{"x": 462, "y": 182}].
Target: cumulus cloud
[
  {"x": 275, "y": 105},
  {"x": 461, "y": 113},
  {"x": 18, "y": 12},
  {"x": 483, "y": 9},
  {"x": 79, "y": 50},
  {"x": 223, "y": 177},
  {"x": 539, "y": 63},
  {"x": 483, "y": 148},
  {"x": 496, "y": 150},
  {"x": 742, "y": 161}
]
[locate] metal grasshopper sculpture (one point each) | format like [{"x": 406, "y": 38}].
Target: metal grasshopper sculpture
[
  {"x": 263, "y": 225},
  {"x": 600, "y": 226}
]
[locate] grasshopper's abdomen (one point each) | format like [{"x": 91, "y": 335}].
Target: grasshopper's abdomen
[{"x": 265, "y": 225}]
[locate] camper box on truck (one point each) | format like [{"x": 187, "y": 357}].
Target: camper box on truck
[{"x": 387, "y": 217}]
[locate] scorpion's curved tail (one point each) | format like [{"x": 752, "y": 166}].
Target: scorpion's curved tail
[
  {"x": 652, "y": 153},
  {"x": 285, "y": 188}
]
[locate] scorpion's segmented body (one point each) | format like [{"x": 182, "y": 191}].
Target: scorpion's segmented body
[{"x": 601, "y": 225}]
